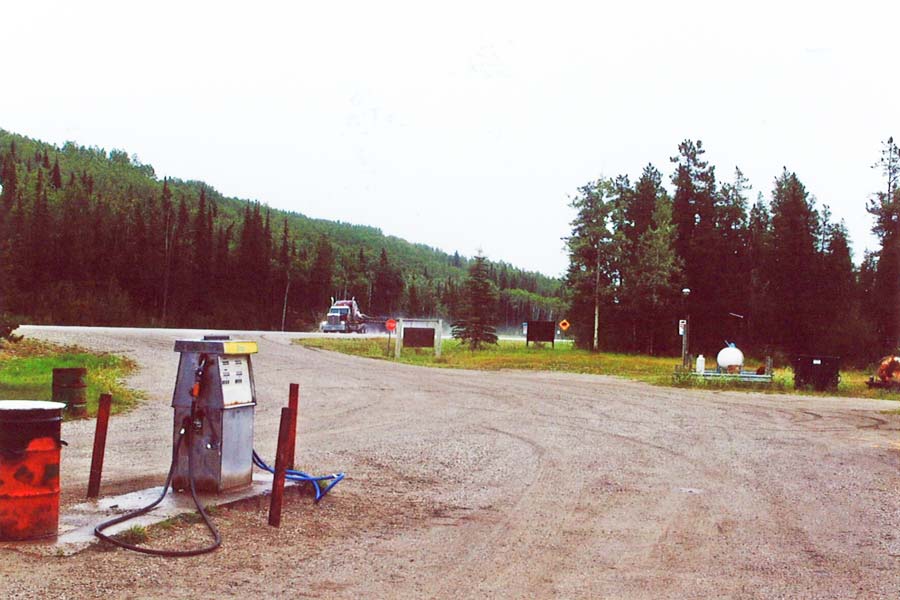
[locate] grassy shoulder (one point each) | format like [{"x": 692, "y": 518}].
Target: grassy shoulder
[
  {"x": 26, "y": 373},
  {"x": 566, "y": 358}
]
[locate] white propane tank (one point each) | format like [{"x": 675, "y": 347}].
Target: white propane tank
[
  {"x": 701, "y": 365},
  {"x": 730, "y": 356}
]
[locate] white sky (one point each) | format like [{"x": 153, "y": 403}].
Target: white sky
[{"x": 461, "y": 125}]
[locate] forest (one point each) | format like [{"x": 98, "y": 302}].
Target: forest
[
  {"x": 91, "y": 237},
  {"x": 773, "y": 274}
]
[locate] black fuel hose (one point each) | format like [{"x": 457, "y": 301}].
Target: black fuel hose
[{"x": 217, "y": 539}]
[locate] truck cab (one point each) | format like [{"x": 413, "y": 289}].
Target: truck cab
[{"x": 344, "y": 317}]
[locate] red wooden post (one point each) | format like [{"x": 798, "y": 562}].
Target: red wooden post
[
  {"x": 280, "y": 464},
  {"x": 294, "y": 405},
  {"x": 99, "y": 445}
]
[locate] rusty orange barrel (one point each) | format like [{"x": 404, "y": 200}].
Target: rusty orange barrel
[
  {"x": 69, "y": 387},
  {"x": 29, "y": 468}
]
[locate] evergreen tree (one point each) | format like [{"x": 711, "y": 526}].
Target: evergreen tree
[
  {"x": 202, "y": 256},
  {"x": 639, "y": 212},
  {"x": 168, "y": 231},
  {"x": 592, "y": 259},
  {"x": 847, "y": 333},
  {"x": 413, "y": 303},
  {"x": 731, "y": 261},
  {"x": 387, "y": 287},
  {"x": 477, "y": 317},
  {"x": 56, "y": 175},
  {"x": 698, "y": 242},
  {"x": 759, "y": 305},
  {"x": 793, "y": 266},
  {"x": 885, "y": 207},
  {"x": 652, "y": 273},
  {"x": 321, "y": 275},
  {"x": 8, "y": 178}
]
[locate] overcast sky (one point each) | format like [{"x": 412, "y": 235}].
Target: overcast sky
[{"x": 461, "y": 125}]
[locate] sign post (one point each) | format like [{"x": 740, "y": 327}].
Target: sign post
[{"x": 390, "y": 325}]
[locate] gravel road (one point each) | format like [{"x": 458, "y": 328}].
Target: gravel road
[{"x": 505, "y": 484}]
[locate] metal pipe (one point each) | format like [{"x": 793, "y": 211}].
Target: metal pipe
[{"x": 294, "y": 405}]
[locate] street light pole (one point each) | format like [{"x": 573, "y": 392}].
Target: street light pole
[{"x": 685, "y": 360}]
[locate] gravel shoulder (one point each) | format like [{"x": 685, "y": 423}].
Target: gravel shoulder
[{"x": 504, "y": 484}]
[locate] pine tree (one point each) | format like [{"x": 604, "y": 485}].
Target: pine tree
[
  {"x": 321, "y": 275},
  {"x": 759, "y": 305},
  {"x": 652, "y": 274},
  {"x": 56, "y": 175},
  {"x": 387, "y": 287},
  {"x": 639, "y": 212},
  {"x": 885, "y": 207},
  {"x": 793, "y": 266},
  {"x": 477, "y": 317},
  {"x": 698, "y": 242},
  {"x": 168, "y": 231},
  {"x": 592, "y": 259},
  {"x": 8, "y": 178}
]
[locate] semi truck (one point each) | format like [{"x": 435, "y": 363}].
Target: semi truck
[{"x": 344, "y": 317}]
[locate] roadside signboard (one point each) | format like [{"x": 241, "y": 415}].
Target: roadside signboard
[
  {"x": 541, "y": 331},
  {"x": 390, "y": 325},
  {"x": 564, "y": 325}
]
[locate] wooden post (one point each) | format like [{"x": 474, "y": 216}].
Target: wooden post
[
  {"x": 280, "y": 463},
  {"x": 294, "y": 405},
  {"x": 398, "y": 345},
  {"x": 438, "y": 342},
  {"x": 99, "y": 445}
]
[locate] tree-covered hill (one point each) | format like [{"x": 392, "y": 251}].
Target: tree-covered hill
[{"x": 93, "y": 237}]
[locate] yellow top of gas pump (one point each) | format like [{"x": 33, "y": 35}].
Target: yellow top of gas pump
[
  {"x": 240, "y": 347},
  {"x": 207, "y": 346}
]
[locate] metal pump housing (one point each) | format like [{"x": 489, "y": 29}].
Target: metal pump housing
[{"x": 215, "y": 395}]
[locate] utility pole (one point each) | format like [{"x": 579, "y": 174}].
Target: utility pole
[
  {"x": 685, "y": 336},
  {"x": 284, "y": 308}
]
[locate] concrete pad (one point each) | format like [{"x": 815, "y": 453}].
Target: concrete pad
[{"x": 76, "y": 525}]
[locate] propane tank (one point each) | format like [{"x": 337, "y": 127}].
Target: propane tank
[
  {"x": 730, "y": 356},
  {"x": 701, "y": 365}
]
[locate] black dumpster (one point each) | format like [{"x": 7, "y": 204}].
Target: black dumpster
[{"x": 820, "y": 372}]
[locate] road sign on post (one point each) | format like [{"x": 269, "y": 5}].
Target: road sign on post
[
  {"x": 541, "y": 331},
  {"x": 564, "y": 325},
  {"x": 390, "y": 325}
]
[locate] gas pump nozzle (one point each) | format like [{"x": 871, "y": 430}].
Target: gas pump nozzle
[{"x": 197, "y": 414}]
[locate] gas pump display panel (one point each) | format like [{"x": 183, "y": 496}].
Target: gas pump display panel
[{"x": 234, "y": 373}]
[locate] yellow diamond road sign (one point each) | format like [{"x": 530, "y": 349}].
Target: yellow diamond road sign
[{"x": 564, "y": 325}]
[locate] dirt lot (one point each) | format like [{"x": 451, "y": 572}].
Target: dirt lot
[{"x": 511, "y": 484}]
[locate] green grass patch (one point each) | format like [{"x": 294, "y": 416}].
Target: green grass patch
[
  {"x": 136, "y": 534},
  {"x": 26, "y": 373},
  {"x": 565, "y": 357}
]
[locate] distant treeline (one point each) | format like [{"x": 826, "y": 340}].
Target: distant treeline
[
  {"x": 776, "y": 277},
  {"x": 95, "y": 238}
]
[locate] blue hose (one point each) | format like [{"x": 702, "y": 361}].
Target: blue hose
[{"x": 293, "y": 475}]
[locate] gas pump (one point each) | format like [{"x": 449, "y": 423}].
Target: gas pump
[
  {"x": 212, "y": 451},
  {"x": 215, "y": 396}
]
